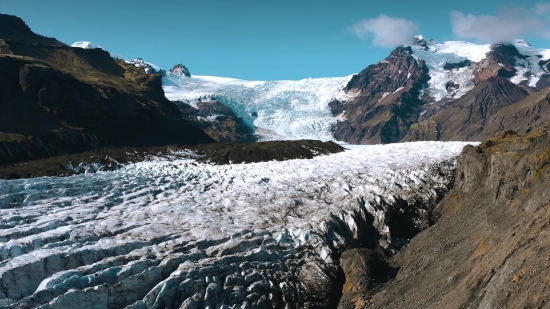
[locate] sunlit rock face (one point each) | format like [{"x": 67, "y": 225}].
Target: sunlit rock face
[{"x": 183, "y": 234}]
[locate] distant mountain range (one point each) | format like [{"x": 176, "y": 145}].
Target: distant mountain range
[
  {"x": 410, "y": 95},
  {"x": 423, "y": 91}
]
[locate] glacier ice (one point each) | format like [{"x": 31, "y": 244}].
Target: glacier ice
[
  {"x": 284, "y": 109},
  {"x": 177, "y": 233}
]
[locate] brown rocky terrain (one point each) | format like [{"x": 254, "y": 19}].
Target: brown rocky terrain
[
  {"x": 55, "y": 100},
  {"x": 387, "y": 103},
  {"x": 467, "y": 118},
  {"x": 390, "y": 105},
  {"x": 488, "y": 247},
  {"x": 492, "y": 106}
]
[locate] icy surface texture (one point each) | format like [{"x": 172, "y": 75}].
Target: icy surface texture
[
  {"x": 437, "y": 55},
  {"x": 285, "y": 109},
  {"x": 179, "y": 234}
]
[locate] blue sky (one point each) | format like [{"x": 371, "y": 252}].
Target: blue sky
[{"x": 256, "y": 39}]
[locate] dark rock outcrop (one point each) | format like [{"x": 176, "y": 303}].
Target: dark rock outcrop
[
  {"x": 364, "y": 271},
  {"x": 458, "y": 65},
  {"x": 387, "y": 102},
  {"x": 336, "y": 107},
  {"x": 180, "y": 69},
  {"x": 217, "y": 120},
  {"x": 500, "y": 61},
  {"x": 14, "y": 28},
  {"x": 55, "y": 99}
]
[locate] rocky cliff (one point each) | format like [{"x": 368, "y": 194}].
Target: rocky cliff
[
  {"x": 56, "y": 99},
  {"x": 492, "y": 106},
  {"x": 489, "y": 247}
]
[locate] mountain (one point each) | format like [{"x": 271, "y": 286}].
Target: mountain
[
  {"x": 180, "y": 69},
  {"x": 56, "y": 99},
  {"x": 381, "y": 103},
  {"x": 468, "y": 117},
  {"x": 387, "y": 100}
]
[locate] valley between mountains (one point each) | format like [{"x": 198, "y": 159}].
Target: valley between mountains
[{"x": 419, "y": 182}]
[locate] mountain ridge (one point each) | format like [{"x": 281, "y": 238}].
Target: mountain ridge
[{"x": 56, "y": 99}]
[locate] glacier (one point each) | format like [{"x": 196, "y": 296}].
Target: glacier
[
  {"x": 176, "y": 233},
  {"x": 283, "y": 109},
  {"x": 298, "y": 109}
]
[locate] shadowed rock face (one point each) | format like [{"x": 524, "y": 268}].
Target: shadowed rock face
[
  {"x": 55, "y": 99},
  {"x": 218, "y": 121},
  {"x": 180, "y": 69},
  {"x": 14, "y": 28},
  {"x": 387, "y": 102},
  {"x": 489, "y": 248}
]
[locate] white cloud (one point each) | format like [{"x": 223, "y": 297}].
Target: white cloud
[
  {"x": 543, "y": 9},
  {"x": 385, "y": 30},
  {"x": 507, "y": 24}
]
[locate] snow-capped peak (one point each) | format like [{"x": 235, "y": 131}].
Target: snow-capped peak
[
  {"x": 86, "y": 45},
  {"x": 449, "y": 62},
  {"x": 419, "y": 37},
  {"x": 522, "y": 42},
  {"x": 148, "y": 67}
]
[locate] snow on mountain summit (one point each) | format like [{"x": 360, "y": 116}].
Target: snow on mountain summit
[
  {"x": 148, "y": 67},
  {"x": 449, "y": 62},
  {"x": 86, "y": 45}
]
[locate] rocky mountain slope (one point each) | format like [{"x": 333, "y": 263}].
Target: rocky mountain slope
[
  {"x": 489, "y": 247},
  {"x": 468, "y": 117},
  {"x": 464, "y": 87},
  {"x": 387, "y": 101},
  {"x": 494, "y": 105},
  {"x": 56, "y": 99}
]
